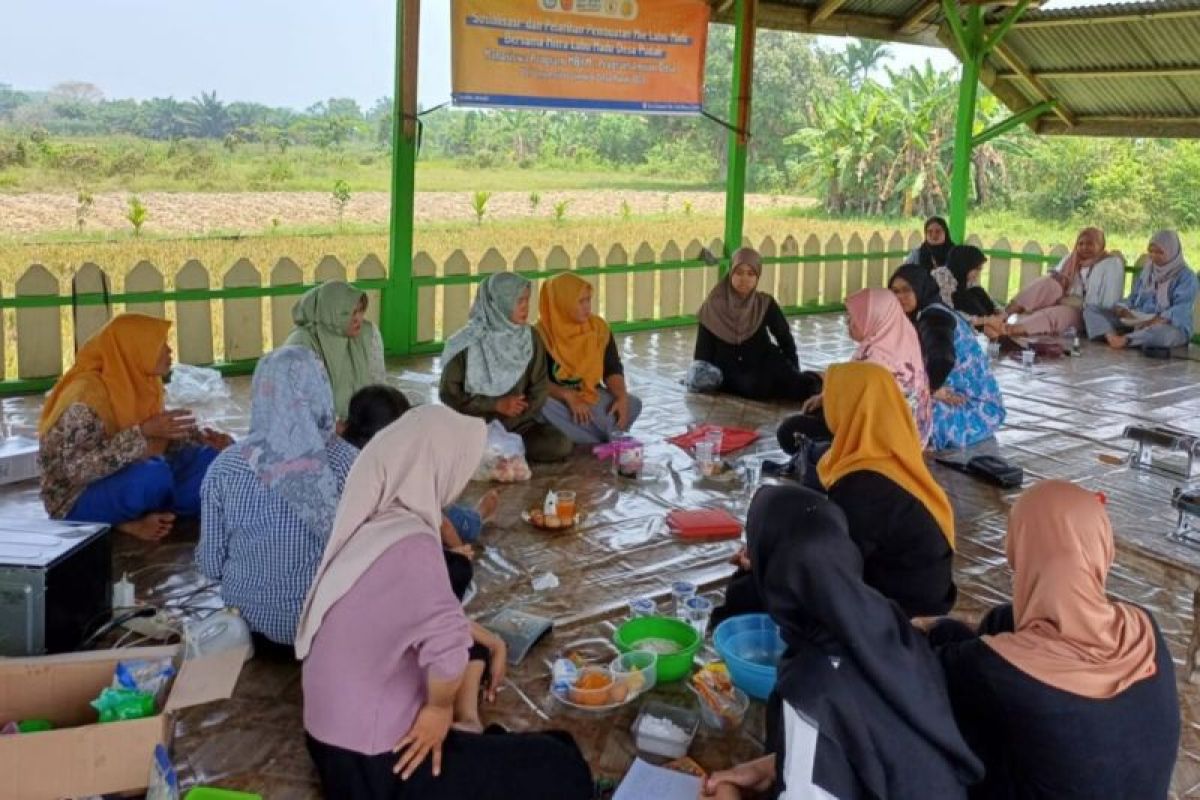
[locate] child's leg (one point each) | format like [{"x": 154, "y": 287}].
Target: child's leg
[{"x": 466, "y": 702}]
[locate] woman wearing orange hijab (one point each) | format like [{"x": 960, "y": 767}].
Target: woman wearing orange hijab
[
  {"x": 109, "y": 452},
  {"x": 589, "y": 401},
  {"x": 1064, "y": 694}
]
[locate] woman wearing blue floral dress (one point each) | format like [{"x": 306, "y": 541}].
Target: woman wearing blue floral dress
[{"x": 967, "y": 404}]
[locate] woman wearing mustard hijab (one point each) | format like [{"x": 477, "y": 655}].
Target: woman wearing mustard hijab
[
  {"x": 109, "y": 451},
  {"x": 588, "y": 398},
  {"x": 897, "y": 515},
  {"x": 329, "y": 321}
]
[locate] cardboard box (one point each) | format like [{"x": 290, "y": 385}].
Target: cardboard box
[
  {"x": 18, "y": 459},
  {"x": 81, "y": 757}
]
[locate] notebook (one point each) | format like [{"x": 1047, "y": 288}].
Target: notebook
[{"x": 646, "y": 781}]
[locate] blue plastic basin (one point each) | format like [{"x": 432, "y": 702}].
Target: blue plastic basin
[{"x": 751, "y": 647}]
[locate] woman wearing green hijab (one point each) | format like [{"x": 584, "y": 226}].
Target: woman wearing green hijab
[
  {"x": 495, "y": 367},
  {"x": 329, "y": 321}
]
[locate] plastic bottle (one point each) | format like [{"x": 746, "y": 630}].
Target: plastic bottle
[
  {"x": 224, "y": 630},
  {"x": 550, "y": 506}
]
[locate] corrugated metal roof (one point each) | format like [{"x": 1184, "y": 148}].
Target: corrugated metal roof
[{"x": 1118, "y": 69}]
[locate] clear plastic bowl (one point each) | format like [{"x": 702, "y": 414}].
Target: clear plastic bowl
[
  {"x": 648, "y": 741},
  {"x": 732, "y": 716},
  {"x": 637, "y": 671}
]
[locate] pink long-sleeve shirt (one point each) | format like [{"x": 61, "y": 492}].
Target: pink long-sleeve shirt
[{"x": 364, "y": 678}]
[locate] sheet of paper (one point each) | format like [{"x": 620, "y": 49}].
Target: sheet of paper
[{"x": 647, "y": 781}]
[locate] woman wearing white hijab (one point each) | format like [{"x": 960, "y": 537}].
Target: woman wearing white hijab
[
  {"x": 1158, "y": 312},
  {"x": 384, "y": 640}
]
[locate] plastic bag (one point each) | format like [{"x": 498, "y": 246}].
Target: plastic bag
[
  {"x": 190, "y": 386},
  {"x": 164, "y": 783},
  {"x": 503, "y": 457},
  {"x": 115, "y": 705},
  {"x": 151, "y": 676},
  {"x": 703, "y": 377}
]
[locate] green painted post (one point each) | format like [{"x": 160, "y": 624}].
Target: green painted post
[
  {"x": 741, "y": 89},
  {"x": 971, "y": 44},
  {"x": 396, "y": 313}
]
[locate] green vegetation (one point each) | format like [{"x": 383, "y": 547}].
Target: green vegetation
[
  {"x": 479, "y": 202},
  {"x": 136, "y": 214}
]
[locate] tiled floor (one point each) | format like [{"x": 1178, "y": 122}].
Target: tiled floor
[{"x": 1062, "y": 416}]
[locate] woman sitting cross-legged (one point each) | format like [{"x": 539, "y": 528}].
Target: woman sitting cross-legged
[
  {"x": 934, "y": 254},
  {"x": 384, "y": 641},
  {"x": 269, "y": 501},
  {"x": 969, "y": 298},
  {"x": 495, "y": 367},
  {"x": 885, "y": 337},
  {"x": 745, "y": 337},
  {"x": 589, "y": 400},
  {"x": 968, "y": 407},
  {"x": 1064, "y": 694},
  {"x": 108, "y": 451},
  {"x": 897, "y": 514},
  {"x": 330, "y": 321},
  {"x": 1158, "y": 312},
  {"x": 860, "y": 709}
]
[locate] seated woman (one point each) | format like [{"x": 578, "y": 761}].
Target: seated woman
[
  {"x": 744, "y": 335},
  {"x": 877, "y": 323},
  {"x": 1158, "y": 312},
  {"x": 589, "y": 401},
  {"x": 495, "y": 368},
  {"x": 1064, "y": 694},
  {"x": 969, "y": 298},
  {"x": 109, "y": 452},
  {"x": 933, "y": 254},
  {"x": 330, "y": 321},
  {"x": 967, "y": 404},
  {"x": 1054, "y": 303},
  {"x": 384, "y": 640},
  {"x": 269, "y": 501},
  {"x": 860, "y": 708},
  {"x": 896, "y": 513}
]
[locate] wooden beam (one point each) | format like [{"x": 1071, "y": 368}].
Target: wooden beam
[
  {"x": 1114, "y": 72},
  {"x": 1103, "y": 18},
  {"x": 866, "y": 26},
  {"x": 1125, "y": 127},
  {"x": 825, "y": 10},
  {"x": 1038, "y": 87},
  {"x": 918, "y": 16}
]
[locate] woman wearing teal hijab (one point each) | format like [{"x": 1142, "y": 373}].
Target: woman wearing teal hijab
[
  {"x": 329, "y": 321},
  {"x": 495, "y": 367}
]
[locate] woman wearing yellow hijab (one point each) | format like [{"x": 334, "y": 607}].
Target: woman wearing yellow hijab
[
  {"x": 109, "y": 452},
  {"x": 589, "y": 401},
  {"x": 897, "y": 515}
]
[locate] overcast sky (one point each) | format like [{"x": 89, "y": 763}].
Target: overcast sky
[{"x": 278, "y": 52}]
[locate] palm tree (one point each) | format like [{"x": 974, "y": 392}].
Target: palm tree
[
  {"x": 208, "y": 116},
  {"x": 860, "y": 58}
]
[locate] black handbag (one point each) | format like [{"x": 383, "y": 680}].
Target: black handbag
[{"x": 993, "y": 469}]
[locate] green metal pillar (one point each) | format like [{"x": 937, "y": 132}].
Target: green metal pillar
[
  {"x": 971, "y": 50},
  {"x": 397, "y": 314},
  {"x": 744, "y": 15}
]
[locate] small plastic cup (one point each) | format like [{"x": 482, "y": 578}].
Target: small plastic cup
[
  {"x": 681, "y": 591},
  {"x": 697, "y": 613},
  {"x": 642, "y": 607},
  {"x": 753, "y": 469},
  {"x": 993, "y": 350},
  {"x": 566, "y": 506},
  {"x": 705, "y": 455},
  {"x": 1027, "y": 359}
]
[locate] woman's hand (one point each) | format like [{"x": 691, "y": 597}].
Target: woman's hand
[
  {"x": 497, "y": 667},
  {"x": 215, "y": 439},
  {"x": 813, "y": 404},
  {"x": 741, "y": 560},
  {"x": 581, "y": 412},
  {"x": 752, "y": 776},
  {"x": 949, "y": 397},
  {"x": 923, "y": 624},
  {"x": 620, "y": 410},
  {"x": 512, "y": 406},
  {"x": 1122, "y": 312},
  {"x": 425, "y": 738},
  {"x": 173, "y": 425}
]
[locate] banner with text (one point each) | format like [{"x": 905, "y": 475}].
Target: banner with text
[{"x": 644, "y": 56}]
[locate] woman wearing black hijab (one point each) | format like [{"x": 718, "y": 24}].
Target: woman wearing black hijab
[
  {"x": 860, "y": 708},
  {"x": 934, "y": 251},
  {"x": 921, "y": 301},
  {"x": 965, "y": 263}
]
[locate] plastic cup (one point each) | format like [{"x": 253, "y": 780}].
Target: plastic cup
[
  {"x": 697, "y": 612},
  {"x": 1027, "y": 359},
  {"x": 566, "y": 506},
  {"x": 705, "y": 456},
  {"x": 993, "y": 350},
  {"x": 681, "y": 591},
  {"x": 754, "y": 466},
  {"x": 714, "y": 437},
  {"x": 642, "y": 607}
]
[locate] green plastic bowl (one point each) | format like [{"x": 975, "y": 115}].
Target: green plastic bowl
[
  {"x": 205, "y": 793},
  {"x": 673, "y": 666}
]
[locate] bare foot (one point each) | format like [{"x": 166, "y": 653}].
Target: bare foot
[
  {"x": 487, "y": 505},
  {"x": 149, "y": 528},
  {"x": 1116, "y": 341}
]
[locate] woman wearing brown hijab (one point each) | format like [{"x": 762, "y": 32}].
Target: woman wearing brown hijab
[
  {"x": 1064, "y": 694},
  {"x": 744, "y": 335}
]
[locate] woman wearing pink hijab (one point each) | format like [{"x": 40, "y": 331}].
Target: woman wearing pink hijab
[
  {"x": 885, "y": 337},
  {"x": 384, "y": 640},
  {"x": 1064, "y": 694}
]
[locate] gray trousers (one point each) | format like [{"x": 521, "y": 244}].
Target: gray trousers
[
  {"x": 599, "y": 428},
  {"x": 1101, "y": 321}
]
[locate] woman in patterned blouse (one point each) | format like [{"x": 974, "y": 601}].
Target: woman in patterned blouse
[{"x": 109, "y": 451}]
